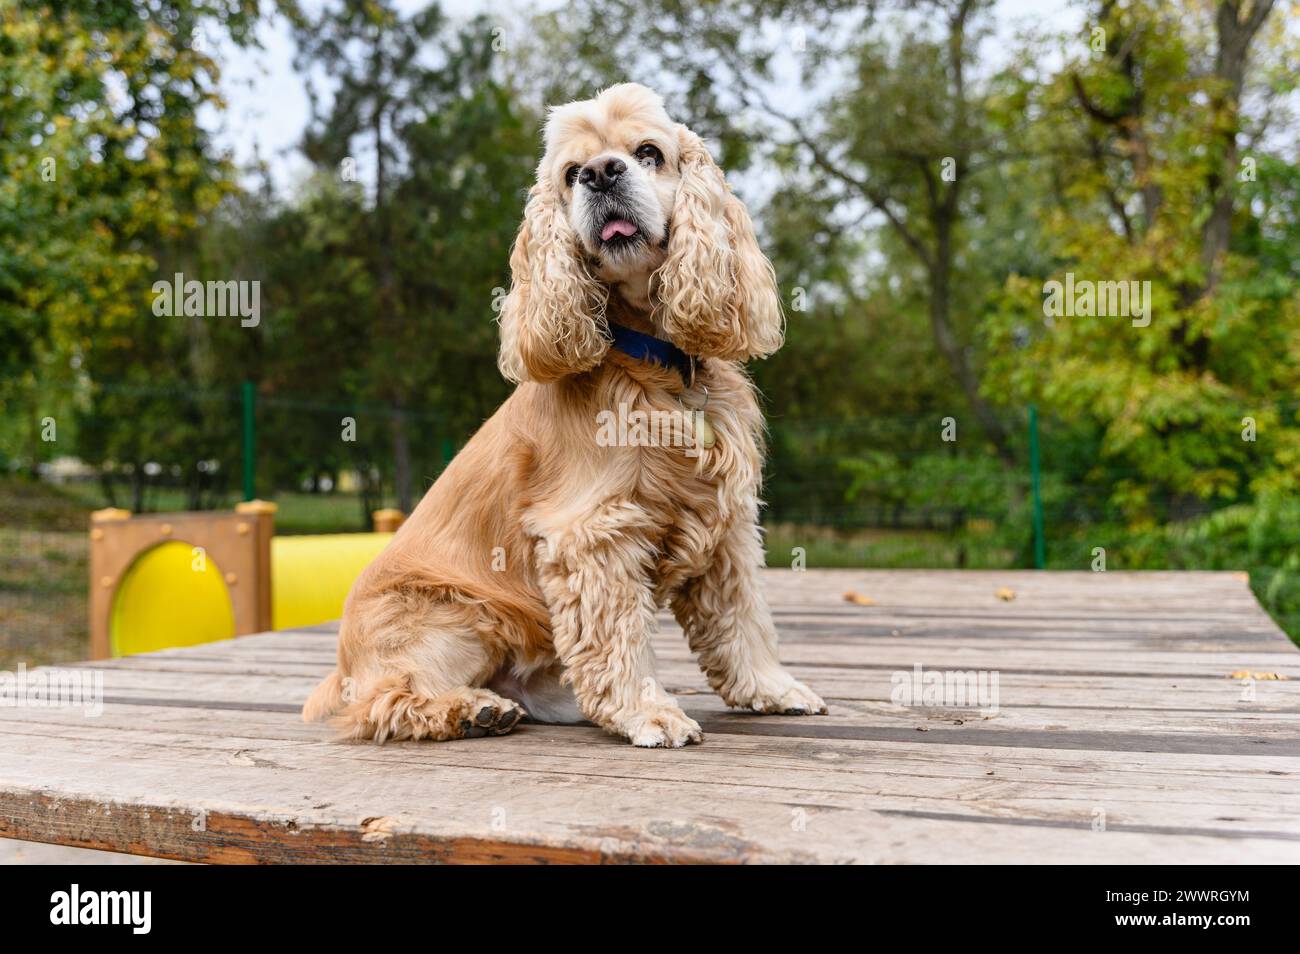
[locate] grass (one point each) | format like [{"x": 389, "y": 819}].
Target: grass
[
  {"x": 297, "y": 513},
  {"x": 44, "y": 557},
  {"x": 884, "y": 549}
]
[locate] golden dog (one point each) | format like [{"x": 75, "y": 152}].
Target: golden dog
[{"x": 530, "y": 574}]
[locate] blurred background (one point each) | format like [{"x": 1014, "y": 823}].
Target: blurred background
[{"x": 918, "y": 173}]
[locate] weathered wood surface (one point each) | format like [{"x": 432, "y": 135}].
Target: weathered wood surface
[{"x": 1116, "y": 711}]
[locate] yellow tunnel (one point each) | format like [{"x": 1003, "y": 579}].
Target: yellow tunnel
[{"x": 168, "y": 599}]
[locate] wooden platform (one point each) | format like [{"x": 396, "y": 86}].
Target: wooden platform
[{"x": 1119, "y": 736}]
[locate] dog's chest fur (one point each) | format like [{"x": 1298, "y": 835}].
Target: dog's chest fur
[{"x": 693, "y": 494}]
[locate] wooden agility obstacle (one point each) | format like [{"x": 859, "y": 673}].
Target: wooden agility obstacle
[{"x": 164, "y": 580}]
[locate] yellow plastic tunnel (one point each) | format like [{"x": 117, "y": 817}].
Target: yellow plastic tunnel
[
  {"x": 167, "y": 599},
  {"x": 311, "y": 575}
]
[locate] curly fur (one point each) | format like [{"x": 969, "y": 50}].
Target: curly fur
[
  {"x": 717, "y": 292},
  {"x": 553, "y": 319},
  {"x": 532, "y": 570}
]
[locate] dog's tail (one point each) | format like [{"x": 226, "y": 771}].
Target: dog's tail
[
  {"x": 325, "y": 700},
  {"x": 389, "y": 708}
]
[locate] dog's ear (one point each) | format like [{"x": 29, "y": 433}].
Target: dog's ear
[
  {"x": 716, "y": 293},
  {"x": 553, "y": 320}
]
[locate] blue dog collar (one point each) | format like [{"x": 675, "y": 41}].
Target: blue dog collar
[{"x": 645, "y": 347}]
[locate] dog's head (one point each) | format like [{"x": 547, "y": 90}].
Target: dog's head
[{"x": 627, "y": 199}]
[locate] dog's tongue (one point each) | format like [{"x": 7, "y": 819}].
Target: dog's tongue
[{"x": 617, "y": 227}]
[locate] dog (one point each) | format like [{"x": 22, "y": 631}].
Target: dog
[{"x": 528, "y": 578}]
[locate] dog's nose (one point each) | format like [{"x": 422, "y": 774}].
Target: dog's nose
[{"x": 601, "y": 173}]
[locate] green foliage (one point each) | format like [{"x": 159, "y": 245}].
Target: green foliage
[
  {"x": 358, "y": 273},
  {"x": 944, "y": 482},
  {"x": 102, "y": 163},
  {"x": 1136, "y": 152},
  {"x": 1258, "y": 538}
]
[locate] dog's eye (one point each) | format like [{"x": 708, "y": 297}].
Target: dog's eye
[
  {"x": 648, "y": 154},
  {"x": 571, "y": 174}
]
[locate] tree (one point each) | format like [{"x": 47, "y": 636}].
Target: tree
[
  {"x": 373, "y": 54},
  {"x": 102, "y": 163},
  {"x": 449, "y": 156},
  {"x": 1145, "y": 122}
]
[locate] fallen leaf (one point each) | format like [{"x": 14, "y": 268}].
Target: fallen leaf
[
  {"x": 377, "y": 829},
  {"x": 1006, "y": 595},
  {"x": 1258, "y": 676},
  {"x": 859, "y": 599}
]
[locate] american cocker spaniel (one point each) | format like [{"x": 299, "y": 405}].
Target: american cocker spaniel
[{"x": 620, "y": 476}]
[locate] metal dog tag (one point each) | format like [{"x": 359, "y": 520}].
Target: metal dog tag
[{"x": 704, "y": 435}]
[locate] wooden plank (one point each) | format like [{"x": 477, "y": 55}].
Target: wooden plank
[
  {"x": 537, "y": 805},
  {"x": 1089, "y": 731},
  {"x": 548, "y": 812},
  {"x": 1128, "y": 723}
]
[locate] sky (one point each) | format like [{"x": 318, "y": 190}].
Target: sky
[{"x": 267, "y": 105}]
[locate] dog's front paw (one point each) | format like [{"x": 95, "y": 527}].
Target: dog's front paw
[
  {"x": 783, "y": 695},
  {"x": 658, "y": 726}
]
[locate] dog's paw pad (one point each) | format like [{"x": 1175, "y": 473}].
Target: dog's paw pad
[
  {"x": 468, "y": 730},
  {"x": 505, "y": 720},
  {"x": 486, "y": 713},
  {"x": 509, "y": 718}
]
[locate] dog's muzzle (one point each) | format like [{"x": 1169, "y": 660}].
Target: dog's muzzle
[{"x": 614, "y": 225}]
